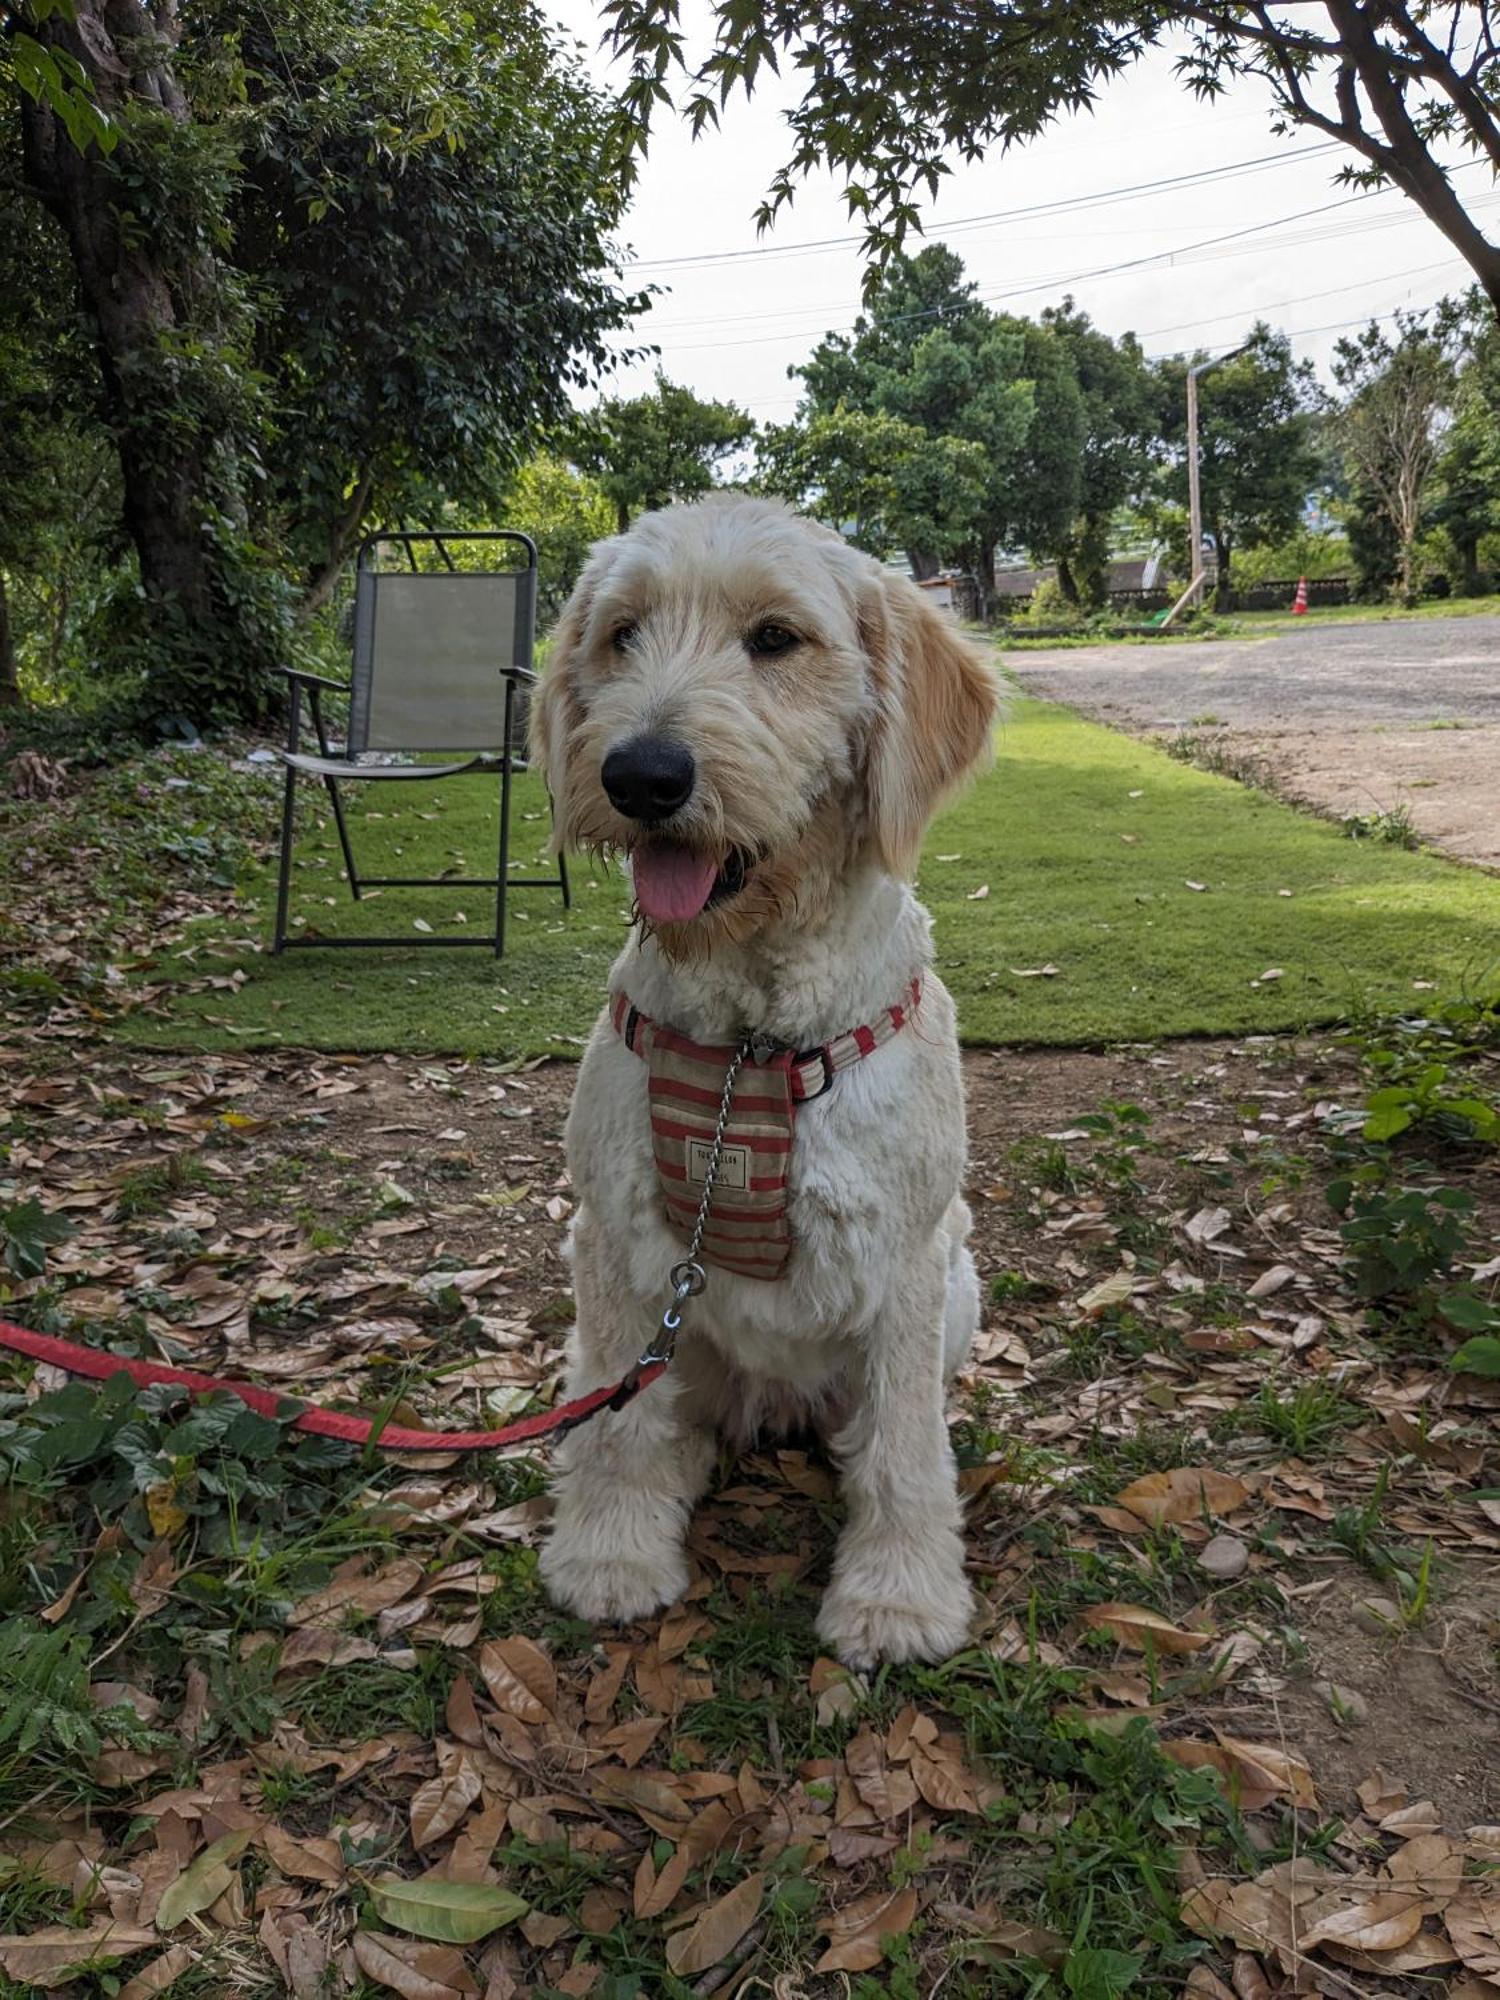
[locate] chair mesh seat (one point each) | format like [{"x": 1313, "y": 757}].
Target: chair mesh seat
[{"x": 441, "y": 667}]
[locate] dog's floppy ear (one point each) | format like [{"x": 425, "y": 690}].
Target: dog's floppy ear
[
  {"x": 935, "y": 706},
  {"x": 556, "y": 710}
]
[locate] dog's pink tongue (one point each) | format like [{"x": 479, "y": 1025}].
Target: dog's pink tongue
[{"x": 672, "y": 883}]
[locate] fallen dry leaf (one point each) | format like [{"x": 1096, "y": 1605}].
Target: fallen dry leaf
[
  {"x": 520, "y": 1678},
  {"x": 1473, "y": 1921},
  {"x": 416, "y": 1971},
  {"x": 1142, "y": 1630},
  {"x": 1368, "y": 1918},
  {"x": 855, "y": 1933},
  {"x": 719, "y": 1928},
  {"x": 48, "y": 1956},
  {"x": 1431, "y": 1866},
  {"x": 439, "y": 1805},
  {"x": 1254, "y": 1773},
  {"x": 1187, "y": 1493},
  {"x": 159, "y": 1974}
]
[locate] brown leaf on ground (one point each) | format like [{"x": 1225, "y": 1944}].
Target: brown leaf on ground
[
  {"x": 469, "y": 1857},
  {"x": 656, "y": 1890},
  {"x": 648, "y": 1797},
  {"x": 1254, "y": 1773},
  {"x": 889, "y": 1791},
  {"x": 1364, "y": 1916},
  {"x": 604, "y": 1686},
  {"x": 1426, "y": 1951},
  {"x": 353, "y": 1590},
  {"x": 159, "y": 1974},
  {"x": 720, "y": 1927},
  {"x": 48, "y": 1956},
  {"x": 1473, "y": 1921},
  {"x": 1143, "y": 1631},
  {"x": 855, "y": 1933},
  {"x": 1431, "y": 1866},
  {"x": 439, "y": 1805},
  {"x": 317, "y": 1860},
  {"x": 521, "y": 1679},
  {"x": 1186, "y": 1493},
  {"x": 415, "y": 1970}
]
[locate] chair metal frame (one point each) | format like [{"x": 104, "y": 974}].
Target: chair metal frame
[{"x": 335, "y": 770}]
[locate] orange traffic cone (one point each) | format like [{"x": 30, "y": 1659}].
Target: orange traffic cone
[{"x": 1299, "y": 602}]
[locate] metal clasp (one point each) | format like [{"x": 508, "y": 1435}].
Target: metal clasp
[{"x": 688, "y": 1280}]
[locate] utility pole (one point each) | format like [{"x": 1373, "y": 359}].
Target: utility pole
[{"x": 1194, "y": 592}]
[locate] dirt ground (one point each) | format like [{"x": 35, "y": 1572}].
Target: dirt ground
[
  {"x": 388, "y": 1232},
  {"x": 1347, "y": 719},
  {"x": 441, "y": 1164}
]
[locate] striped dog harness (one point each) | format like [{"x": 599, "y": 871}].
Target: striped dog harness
[{"x": 748, "y": 1231}]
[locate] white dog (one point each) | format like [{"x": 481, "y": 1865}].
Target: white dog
[{"x": 763, "y": 720}]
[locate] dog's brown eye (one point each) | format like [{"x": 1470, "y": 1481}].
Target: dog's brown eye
[
  {"x": 767, "y": 640},
  {"x": 623, "y": 637}
]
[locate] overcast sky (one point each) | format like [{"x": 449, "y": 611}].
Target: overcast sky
[{"x": 732, "y": 328}]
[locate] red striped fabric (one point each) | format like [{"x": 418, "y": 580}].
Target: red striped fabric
[{"x": 747, "y": 1231}]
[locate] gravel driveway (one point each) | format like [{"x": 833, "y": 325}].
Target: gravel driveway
[{"x": 1350, "y": 718}]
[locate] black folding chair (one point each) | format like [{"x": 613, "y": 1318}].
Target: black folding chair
[{"x": 442, "y": 664}]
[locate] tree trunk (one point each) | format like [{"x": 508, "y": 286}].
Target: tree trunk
[
  {"x": 1066, "y": 582},
  {"x": 10, "y": 687},
  {"x": 131, "y": 289},
  {"x": 1223, "y": 590},
  {"x": 984, "y": 578},
  {"x": 165, "y": 330},
  {"x": 341, "y": 538},
  {"x": 923, "y": 563}
]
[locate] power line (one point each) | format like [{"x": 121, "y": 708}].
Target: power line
[
  {"x": 1062, "y": 281},
  {"x": 1064, "y": 205},
  {"x": 1305, "y": 298}
]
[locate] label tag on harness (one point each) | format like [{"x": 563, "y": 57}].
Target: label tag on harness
[
  {"x": 748, "y": 1232},
  {"x": 734, "y": 1164}
]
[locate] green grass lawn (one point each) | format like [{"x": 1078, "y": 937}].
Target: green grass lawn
[{"x": 1076, "y": 852}]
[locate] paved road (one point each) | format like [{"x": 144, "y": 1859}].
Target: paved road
[
  {"x": 1413, "y": 672},
  {"x": 1340, "y": 716}
]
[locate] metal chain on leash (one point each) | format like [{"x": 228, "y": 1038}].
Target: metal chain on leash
[{"x": 689, "y": 1278}]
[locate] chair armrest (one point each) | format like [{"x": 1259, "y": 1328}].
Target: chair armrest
[
  {"x": 313, "y": 680},
  {"x": 522, "y": 674}
]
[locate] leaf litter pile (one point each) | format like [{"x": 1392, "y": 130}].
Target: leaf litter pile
[{"x": 280, "y": 1717}]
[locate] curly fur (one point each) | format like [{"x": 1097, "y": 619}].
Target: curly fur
[{"x": 823, "y": 765}]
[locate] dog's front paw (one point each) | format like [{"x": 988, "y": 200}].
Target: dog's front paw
[
  {"x": 864, "y": 1621},
  {"x": 608, "y": 1589}
]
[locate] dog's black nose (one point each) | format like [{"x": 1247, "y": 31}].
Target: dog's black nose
[{"x": 648, "y": 778}]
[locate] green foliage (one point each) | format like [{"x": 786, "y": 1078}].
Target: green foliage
[
  {"x": 1308, "y": 552},
  {"x": 342, "y": 263},
  {"x": 27, "y": 1233},
  {"x": 928, "y": 355},
  {"x": 645, "y": 451},
  {"x": 886, "y": 483},
  {"x": 565, "y": 512},
  {"x": 1427, "y": 1102},
  {"x": 1399, "y": 1242},
  {"x": 889, "y": 97},
  {"x": 1395, "y": 393}
]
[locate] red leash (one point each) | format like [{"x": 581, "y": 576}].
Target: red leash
[{"x": 78, "y": 1360}]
